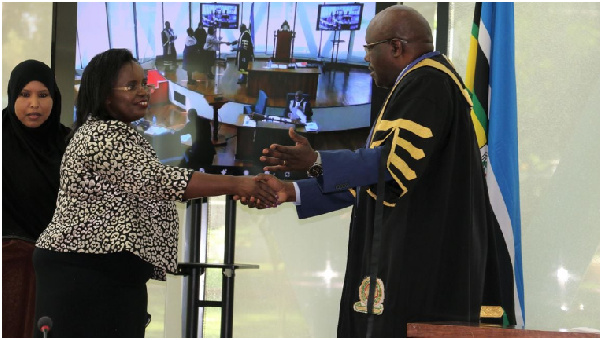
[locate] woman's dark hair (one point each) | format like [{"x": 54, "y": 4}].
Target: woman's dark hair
[
  {"x": 211, "y": 30},
  {"x": 190, "y": 31},
  {"x": 97, "y": 81}
]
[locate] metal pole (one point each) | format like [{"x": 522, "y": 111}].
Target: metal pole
[
  {"x": 228, "y": 274},
  {"x": 443, "y": 15},
  {"x": 193, "y": 280}
]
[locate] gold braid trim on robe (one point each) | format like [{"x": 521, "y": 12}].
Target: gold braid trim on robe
[{"x": 395, "y": 164}]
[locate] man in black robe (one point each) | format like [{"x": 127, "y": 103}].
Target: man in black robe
[
  {"x": 423, "y": 238},
  {"x": 245, "y": 53},
  {"x": 299, "y": 108},
  {"x": 168, "y": 42}
]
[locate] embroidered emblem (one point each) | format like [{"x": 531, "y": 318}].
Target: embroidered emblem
[{"x": 363, "y": 295}]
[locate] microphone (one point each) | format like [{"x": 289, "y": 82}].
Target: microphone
[
  {"x": 257, "y": 116},
  {"x": 44, "y": 324}
]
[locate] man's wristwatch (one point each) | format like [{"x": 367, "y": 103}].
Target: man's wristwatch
[{"x": 316, "y": 169}]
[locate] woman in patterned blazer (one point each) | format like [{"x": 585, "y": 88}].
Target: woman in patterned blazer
[{"x": 115, "y": 225}]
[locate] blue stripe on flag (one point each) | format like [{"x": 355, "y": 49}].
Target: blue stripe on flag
[{"x": 498, "y": 18}]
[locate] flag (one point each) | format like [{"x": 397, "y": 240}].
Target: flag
[{"x": 490, "y": 80}]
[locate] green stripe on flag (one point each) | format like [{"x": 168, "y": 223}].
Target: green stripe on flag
[
  {"x": 475, "y": 30},
  {"x": 479, "y": 111}
]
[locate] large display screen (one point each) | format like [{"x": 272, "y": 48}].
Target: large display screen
[
  {"x": 339, "y": 17},
  {"x": 209, "y": 125},
  {"x": 220, "y": 15}
]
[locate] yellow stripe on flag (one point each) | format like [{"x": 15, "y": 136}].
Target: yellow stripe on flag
[
  {"x": 471, "y": 62},
  {"x": 479, "y": 131}
]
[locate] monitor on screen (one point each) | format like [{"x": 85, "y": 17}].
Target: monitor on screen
[
  {"x": 220, "y": 15},
  {"x": 339, "y": 17}
]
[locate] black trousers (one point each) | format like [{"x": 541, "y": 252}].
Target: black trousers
[
  {"x": 210, "y": 60},
  {"x": 91, "y": 295}
]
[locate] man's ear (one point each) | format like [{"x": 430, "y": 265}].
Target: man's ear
[{"x": 397, "y": 48}]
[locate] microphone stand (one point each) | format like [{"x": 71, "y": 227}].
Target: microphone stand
[{"x": 44, "y": 324}]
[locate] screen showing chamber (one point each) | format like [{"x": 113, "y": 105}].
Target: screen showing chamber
[
  {"x": 220, "y": 15},
  {"x": 214, "y": 124},
  {"x": 342, "y": 17}
]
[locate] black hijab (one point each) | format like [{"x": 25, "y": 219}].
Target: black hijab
[{"x": 30, "y": 158}]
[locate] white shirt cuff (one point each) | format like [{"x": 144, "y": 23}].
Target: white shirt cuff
[{"x": 297, "y": 188}]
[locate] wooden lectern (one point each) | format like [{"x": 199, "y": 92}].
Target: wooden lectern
[
  {"x": 283, "y": 45},
  {"x": 458, "y": 330}
]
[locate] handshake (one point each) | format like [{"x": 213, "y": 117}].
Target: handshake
[{"x": 267, "y": 191}]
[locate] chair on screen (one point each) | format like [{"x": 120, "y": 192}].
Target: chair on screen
[{"x": 260, "y": 106}]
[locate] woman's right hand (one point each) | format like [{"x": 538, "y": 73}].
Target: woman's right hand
[
  {"x": 249, "y": 188},
  {"x": 284, "y": 190}
]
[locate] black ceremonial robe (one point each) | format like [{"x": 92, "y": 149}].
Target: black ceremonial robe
[
  {"x": 437, "y": 220},
  {"x": 245, "y": 52}
]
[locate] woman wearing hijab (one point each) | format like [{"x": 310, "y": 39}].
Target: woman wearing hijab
[
  {"x": 33, "y": 142},
  {"x": 115, "y": 225}
]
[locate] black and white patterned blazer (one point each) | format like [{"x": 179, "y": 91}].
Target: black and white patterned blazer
[{"x": 115, "y": 196}]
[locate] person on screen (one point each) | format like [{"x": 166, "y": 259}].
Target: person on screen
[
  {"x": 285, "y": 26},
  {"x": 299, "y": 108},
  {"x": 211, "y": 18},
  {"x": 33, "y": 142},
  {"x": 211, "y": 46},
  {"x": 202, "y": 151},
  {"x": 168, "y": 42},
  {"x": 245, "y": 52},
  {"x": 115, "y": 225},
  {"x": 190, "y": 58},
  {"x": 437, "y": 253},
  {"x": 200, "y": 35}
]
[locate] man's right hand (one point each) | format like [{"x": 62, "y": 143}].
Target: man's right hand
[{"x": 289, "y": 158}]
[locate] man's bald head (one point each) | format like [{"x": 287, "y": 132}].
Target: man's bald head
[
  {"x": 405, "y": 22},
  {"x": 408, "y": 36}
]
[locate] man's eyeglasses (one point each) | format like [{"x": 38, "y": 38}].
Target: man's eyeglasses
[
  {"x": 369, "y": 47},
  {"x": 135, "y": 88}
]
